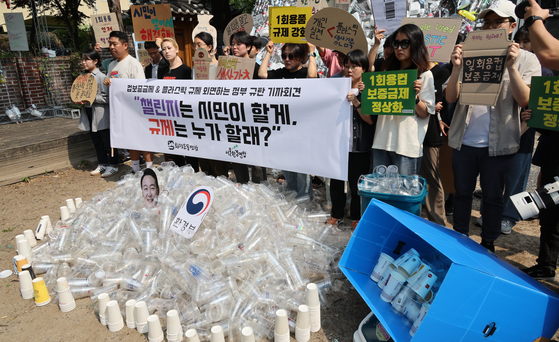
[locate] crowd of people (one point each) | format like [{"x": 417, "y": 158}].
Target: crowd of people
[{"x": 489, "y": 142}]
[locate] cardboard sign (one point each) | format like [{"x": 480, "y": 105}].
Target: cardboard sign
[
  {"x": 484, "y": 58},
  {"x": 16, "y": 31},
  {"x": 440, "y": 36},
  {"x": 316, "y": 5},
  {"x": 287, "y": 24},
  {"x": 202, "y": 62},
  {"x": 389, "y": 93},
  {"x": 84, "y": 88},
  {"x": 243, "y": 22},
  {"x": 152, "y": 21},
  {"x": 544, "y": 102},
  {"x": 193, "y": 211},
  {"x": 204, "y": 26},
  {"x": 235, "y": 68},
  {"x": 103, "y": 25},
  {"x": 143, "y": 57},
  {"x": 336, "y": 29}
]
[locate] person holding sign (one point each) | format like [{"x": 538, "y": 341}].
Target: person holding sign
[
  {"x": 206, "y": 41},
  {"x": 398, "y": 139},
  {"x": 484, "y": 139},
  {"x": 95, "y": 118}
]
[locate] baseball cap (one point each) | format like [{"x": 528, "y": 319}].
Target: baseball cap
[{"x": 503, "y": 8}]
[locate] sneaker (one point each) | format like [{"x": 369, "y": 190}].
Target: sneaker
[
  {"x": 99, "y": 170},
  {"x": 538, "y": 272},
  {"x": 125, "y": 155},
  {"x": 142, "y": 161},
  {"x": 489, "y": 245},
  {"x": 479, "y": 222},
  {"x": 506, "y": 227},
  {"x": 354, "y": 224},
  {"x": 111, "y": 170},
  {"x": 334, "y": 221}
]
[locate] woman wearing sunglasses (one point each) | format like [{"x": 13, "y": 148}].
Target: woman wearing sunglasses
[{"x": 398, "y": 138}]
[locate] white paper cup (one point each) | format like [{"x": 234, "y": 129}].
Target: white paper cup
[
  {"x": 114, "y": 317},
  {"x": 382, "y": 263},
  {"x": 419, "y": 320},
  {"x": 173, "y": 322},
  {"x": 104, "y": 299},
  {"x": 303, "y": 325},
  {"x": 399, "y": 302},
  {"x": 192, "y": 335},
  {"x": 66, "y": 301},
  {"x": 393, "y": 284},
  {"x": 25, "y": 285},
  {"x": 410, "y": 266},
  {"x": 78, "y": 201},
  {"x": 62, "y": 284},
  {"x": 64, "y": 213},
  {"x": 23, "y": 248},
  {"x": 385, "y": 275},
  {"x": 20, "y": 237},
  {"x": 71, "y": 205},
  {"x": 312, "y": 295},
  {"x": 424, "y": 284},
  {"x": 217, "y": 334},
  {"x": 423, "y": 268},
  {"x": 247, "y": 335},
  {"x": 30, "y": 237},
  {"x": 130, "y": 323},
  {"x": 29, "y": 269},
  {"x": 411, "y": 311},
  {"x": 41, "y": 229},
  {"x": 141, "y": 315},
  {"x": 282, "y": 325}
]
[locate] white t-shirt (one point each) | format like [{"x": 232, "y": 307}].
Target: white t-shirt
[
  {"x": 477, "y": 131},
  {"x": 129, "y": 67}
]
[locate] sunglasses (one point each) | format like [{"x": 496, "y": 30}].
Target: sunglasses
[
  {"x": 286, "y": 56},
  {"x": 404, "y": 43}
]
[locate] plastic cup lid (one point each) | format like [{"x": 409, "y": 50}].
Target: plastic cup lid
[{"x": 6, "y": 273}]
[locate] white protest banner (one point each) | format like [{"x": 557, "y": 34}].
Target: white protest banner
[
  {"x": 193, "y": 211},
  {"x": 300, "y": 125},
  {"x": 16, "y": 31}
]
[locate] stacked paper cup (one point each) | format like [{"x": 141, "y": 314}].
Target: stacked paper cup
[
  {"x": 313, "y": 304},
  {"x": 44, "y": 226},
  {"x": 130, "y": 305},
  {"x": 66, "y": 301},
  {"x": 30, "y": 237},
  {"x": 281, "y": 332},
  {"x": 247, "y": 335},
  {"x": 192, "y": 335},
  {"x": 23, "y": 248},
  {"x": 41, "y": 292},
  {"x": 141, "y": 317},
  {"x": 114, "y": 317},
  {"x": 103, "y": 301},
  {"x": 25, "y": 285},
  {"x": 174, "y": 328},
  {"x": 303, "y": 326},
  {"x": 155, "y": 333}
]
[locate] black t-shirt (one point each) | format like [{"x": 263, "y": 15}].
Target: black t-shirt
[
  {"x": 183, "y": 72},
  {"x": 284, "y": 73},
  {"x": 378, "y": 64}
]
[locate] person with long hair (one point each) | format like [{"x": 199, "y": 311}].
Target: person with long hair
[{"x": 398, "y": 138}]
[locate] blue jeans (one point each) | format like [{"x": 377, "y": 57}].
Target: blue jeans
[
  {"x": 299, "y": 182},
  {"x": 515, "y": 182},
  {"x": 406, "y": 166}
]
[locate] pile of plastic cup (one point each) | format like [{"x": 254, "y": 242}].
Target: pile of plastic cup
[
  {"x": 254, "y": 253},
  {"x": 387, "y": 180}
]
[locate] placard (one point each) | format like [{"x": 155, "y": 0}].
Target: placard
[
  {"x": 287, "y": 24},
  {"x": 242, "y": 22},
  {"x": 336, "y": 29},
  {"x": 193, "y": 211},
  {"x": 235, "y": 68},
  {"x": 204, "y": 26},
  {"x": 484, "y": 57},
  {"x": 152, "y": 21},
  {"x": 143, "y": 57},
  {"x": 84, "y": 88},
  {"x": 389, "y": 93},
  {"x": 388, "y": 14},
  {"x": 544, "y": 102},
  {"x": 202, "y": 62},
  {"x": 440, "y": 36},
  {"x": 272, "y": 123},
  {"x": 316, "y": 5},
  {"x": 103, "y": 25},
  {"x": 16, "y": 31}
]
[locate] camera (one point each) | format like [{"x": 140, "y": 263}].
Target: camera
[{"x": 529, "y": 204}]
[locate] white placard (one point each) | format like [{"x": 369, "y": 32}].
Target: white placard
[
  {"x": 16, "y": 31},
  {"x": 388, "y": 14},
  {"x": 299, "y": 125},
  {"x": 193, "y": 211}
]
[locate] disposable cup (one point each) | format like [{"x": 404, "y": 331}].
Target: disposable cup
[
  {"x": 71, "y": 206},
  {"x": 41, "y": 229},
  {"x": 282, "y": 326},
  {"x": 30, "y": 237},
  {"x": 25, "y": 285},
  {"x": 104, "y": 299},
  {"x": 173, "y": 322},
  {"x": 382, "y": 282},
  {"x": 20, "y": 237},
  {"x": 312, "y": 295},
  {"x": 66, "y": 301},
  {"x": 78, "y": 201},
  {"x": 303, "y": 325},
  {"x": 64, "y": 213},
  {"x": 29, "y": 269},
  {"x": 114, "y": 317},
  {"x": 410, "y": 266},
  {"x": 19, "y": 261},
  {"x": 62, "y": 284},
  {"x": 41, "y": 292},
  {"x": 419, "y": 319},
  {"x": 217, "y": 334},
  {"x": 247, "y": 335},
  {"x": 399, "y": 302},
  {"x": 424, "y": 284},
  {"x": 130, "y": 323},
  {"x": 192, "y": 335},
  {"x": 314, "y": 316},
  {"x": 48, "y": 223},
  {"x": 23, "y": 248},
  {"x": 382, "y": 263},
  {"x": 393, "y": 284},
  {"x": 422, "y": 269},
  {"x": 141, "y": 315},
  {"x": 411, "y": 311},
  {"x": 404, "y": 257}
]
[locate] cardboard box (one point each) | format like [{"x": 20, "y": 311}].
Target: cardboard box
[{"x": 479, "y": 291}]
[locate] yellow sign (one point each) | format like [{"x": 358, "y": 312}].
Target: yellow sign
[{"x": 287, "y": 24}]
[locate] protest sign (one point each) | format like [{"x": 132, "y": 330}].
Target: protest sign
[
  {"x": 16, "y": 31},
  {"x": 544, "y": 102},
  {"x": 242, "y": 22},
  {"x": 193, "y": 211},
  {"x": 388, "y": 14},
  {"x": 235, "y": 68},
  {"x": 300, "y": 125},
  {"x": 202, "y": 62},
  {"x": 484, "y": 54},
  {"x": 152, "y": 21},
  {"x": 143, "y": 57},
  {"x": 204, "y": 26},
  {"x": 287, "y": 24},
  {"x": 84, "y": 88},
  {"x": 103, "y": 25},
  {"x": 440, "y": 36},
  {"x": 336, "y": 29},
  {"x": 316, "y": 5},
  {"x": 389, "y": 93}
]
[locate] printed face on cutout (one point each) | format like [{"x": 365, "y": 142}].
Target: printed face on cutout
[{"x": 149, "y": 191}]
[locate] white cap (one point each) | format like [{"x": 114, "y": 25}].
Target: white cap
[{"x": 503, "y": 8}]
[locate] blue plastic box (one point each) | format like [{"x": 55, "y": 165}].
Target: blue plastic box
[
  {"x": 479, "y": 291},
  {"x": 411, "y": 204}
]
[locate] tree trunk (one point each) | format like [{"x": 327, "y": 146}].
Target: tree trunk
[{"x": 114, "y": 7}]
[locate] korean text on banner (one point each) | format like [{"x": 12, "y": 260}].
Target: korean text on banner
[
  {"x": 103, "y": 25},
  {"x": 389, "y": 93},
  {"x": 287, "y": 24},
  {"x": 292, "y": 125},
  {"x": 440, "y": 36},
  {"x": 544, "y": 102},
  {"x": 16, "y": 31},
  {"x": 152, "y": 21}
]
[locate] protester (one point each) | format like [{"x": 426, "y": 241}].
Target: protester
[
  {"x": 334, "y": 61},
  {"x": 398, "y": 138},
  {"x": 544, "y": 44},
  {"x": 376, "y": 64},
  {"x": 126, "y": 66},
  {"x": 157, "y": 61},
  {"x": 485, "y": 138},
  {"x": 355, "y": 63},
  {"x": 95, "y": 118}
]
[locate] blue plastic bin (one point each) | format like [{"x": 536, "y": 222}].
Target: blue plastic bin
[{"x": 410, "y": 204}]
